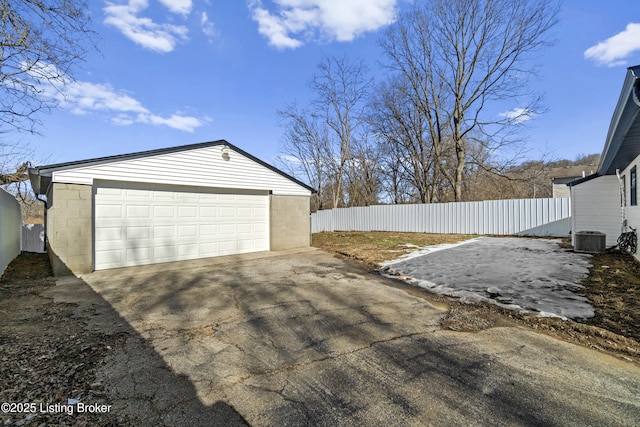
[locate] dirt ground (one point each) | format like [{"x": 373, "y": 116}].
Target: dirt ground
[
  {"x": 46, "y": 353},
  {"x": 612, "y": 287}
]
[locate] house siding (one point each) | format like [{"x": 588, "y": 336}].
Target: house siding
[
  {"x": 203, "y": 167},
  {"x": 632, "y": 213},
  {"x": 596, "y": 207}
]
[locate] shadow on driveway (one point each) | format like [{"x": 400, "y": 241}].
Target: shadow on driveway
[{"x": 308, "y": 339}]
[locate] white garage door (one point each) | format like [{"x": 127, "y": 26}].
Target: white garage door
[{"x": 135, "y": 226}]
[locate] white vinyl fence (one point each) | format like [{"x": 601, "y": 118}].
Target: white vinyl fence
[
  {"x": 33, "y": 238},
  {"x": 524, "y": 217},
  {"x": 10, "y": 227}
]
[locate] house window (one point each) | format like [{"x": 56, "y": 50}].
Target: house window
[{"x": 634, "y": 197}]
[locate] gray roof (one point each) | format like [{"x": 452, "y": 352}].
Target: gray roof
[
  {"x": 623, "y": 139},
  {"x": 40, "y": 176}
]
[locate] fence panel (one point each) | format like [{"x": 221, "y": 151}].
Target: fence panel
[
  {"x": 523, "y": 217},
  {"x": 10, "y": 228},
  {"x": 33, "y": 238}
]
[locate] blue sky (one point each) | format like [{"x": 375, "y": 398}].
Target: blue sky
[{"x": 175, "y": 72}]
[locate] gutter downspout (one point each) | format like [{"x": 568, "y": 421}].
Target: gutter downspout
[{"x": 623, "y": 202}]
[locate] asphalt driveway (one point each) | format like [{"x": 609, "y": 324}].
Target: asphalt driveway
[{"x": 308, "y": 339}]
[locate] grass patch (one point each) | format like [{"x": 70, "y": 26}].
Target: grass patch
[
  {"x": 373, "y": 247},
  {"x": 613, "y": 287}
]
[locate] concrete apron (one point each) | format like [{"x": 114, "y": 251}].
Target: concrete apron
[{"x": 305, "y": 338}]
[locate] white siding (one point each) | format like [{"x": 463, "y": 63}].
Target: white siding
[
  {"x": 203, "y": 167},
  {"x": 596, "y": 207},
  {"x": 10, "y": 227},
  {"x": 632, "y": 213}
]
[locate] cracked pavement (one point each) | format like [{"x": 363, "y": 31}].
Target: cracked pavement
[{"x": 308, "y": 339}]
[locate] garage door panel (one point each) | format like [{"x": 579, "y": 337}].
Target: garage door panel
[
  {"x": 138, "y": 211},
  {"x": 138, "y": 194},
  {"x": 111, "y": 258},
  {"x": 188, "y": 251},
  {"x": 188, "y": 211},
  {"x": 106, "y": 192},
  {"x": 164, "y": 211},
  {"x": 137, "y": 226},
  {"x": 209, "y": 249},
  {"x": 227, "y": 229},
  {"x": 108, "y": 211},
  {"x": 187, "y": 230},
  {"x": 106, "y": 234},
  {"x": 245, "y": 212},
  {"x": 245, "y": 228},
  {"x": 188, "y": 197},
  {"x": 139, "y": 254},
  {"x": 165, "y": 252},
  {"x": 245, "y": 245},
  {"x": 208, "y": 230},
  {"x": 208, "y": 211},
  {"x": 227, "y": 212},
  {"x": 137, "y": 233},
  {"x": 260, "y": 229},
  {"x": 260, "y": 243},
  {"x": 164, "y": 231},
  {"x": 227, "y": 246},
  {"x": 163, "y": 195}
]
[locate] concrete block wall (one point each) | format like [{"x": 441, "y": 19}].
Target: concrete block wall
[
  {"x": 69, "y": 228},
  {"x": 290, "y": 218}
]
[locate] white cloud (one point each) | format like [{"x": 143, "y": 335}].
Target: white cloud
[
  {"x": 208, "y": 28},
  {"x": 614, "y": 50},
  {"x": 85, "y": 98},
  {"x": 290, "y": 159},
  {"x": 181, "y": 7},
  {"x": 143, "y": 31},
  {"x": 296, "y": 21},
  {"x": 518, "y": 115}
]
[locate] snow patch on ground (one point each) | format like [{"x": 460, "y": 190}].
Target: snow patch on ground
[{"x": 527, "y": 275}]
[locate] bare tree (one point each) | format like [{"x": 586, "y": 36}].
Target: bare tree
[
  {"x": 363, "y": 176},
  {"x": 14, "y": 178},
  {"x": 305, "y": 145},
  {"x": 40, "y": 41},
  {"x": 403, "y": 131},
  {"x": 457, "y": 57},
  {"x": 324, "y": 135}
]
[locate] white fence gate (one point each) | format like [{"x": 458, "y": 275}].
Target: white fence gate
[
  {"x": 10, "y": 225},
  {"x": 33, "y": 238},
  {"x": 523, "y": 217}
]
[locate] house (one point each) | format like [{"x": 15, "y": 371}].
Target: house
[
  {"x": 180, "y": 203},
  {"x": 599, "y": 202},
  {"x": 562, "y": 177},
  {"x": 560, "y": 186}
]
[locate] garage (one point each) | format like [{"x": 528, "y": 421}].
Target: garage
[
  {"x": 138, "y": 225},
  {"x": 171, "y": 204}
]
